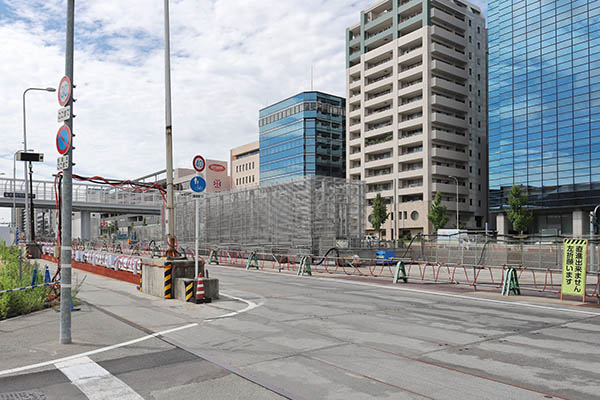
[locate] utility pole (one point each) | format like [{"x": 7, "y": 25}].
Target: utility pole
[
  {"x": 67, "y": 195},
  {"x": 172, "y": 251}
]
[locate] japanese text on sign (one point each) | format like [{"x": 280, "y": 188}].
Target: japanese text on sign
[{"x": 574, "y": 267}]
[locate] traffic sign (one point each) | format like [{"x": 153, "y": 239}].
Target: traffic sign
[
  {"x": 64, "y": 91},
  {"x": 63, "y": 140},
  {"x": 199, "y": 163},
  {"x": 197, "y": 184},
  {"x": 64, "y": 114},
  {"x": 62, "y": 163}
]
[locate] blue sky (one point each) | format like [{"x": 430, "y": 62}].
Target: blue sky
[{"x": 229, "y": 59}]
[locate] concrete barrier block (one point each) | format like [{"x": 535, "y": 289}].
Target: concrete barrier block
[
  {"x": 211, "y": 288},
  {"x": 180, "y": 284}
]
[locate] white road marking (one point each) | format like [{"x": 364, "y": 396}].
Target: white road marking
[
  {"x": 92, "y": 352},
  {"x": 250, "y": 306},
  {"x": 435, "y": 293},
  {"x": 96, "y": 382}
]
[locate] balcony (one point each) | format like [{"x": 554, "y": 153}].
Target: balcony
[
  {"x": 440, "y": 66},
  {"x": 449, "y": 86},
  {"x": 411, "y": 107},
  {"x": 379, "y": 97},
  {"x": 449, "y": 171},
  {"x": 380, "y": 81},
  {"x": 384, "y": 162},
  {"x": 449, "y": 154},
  {"x": 412, "y": 139},
  {"x": 444, "y": 17},
  {"x": 412, "y": 89},
  {"x": 447, "y": 34},
  {"x": 410, "y": 173},
  {"x": 437, "y": 134},
  {"x": 449, "y": 188},
  {"x": 448, "y": 120},
  {"x": 443, "y": 50},
  {"x": 448, "y": 103},
  {"x": 411, "y": 123}
]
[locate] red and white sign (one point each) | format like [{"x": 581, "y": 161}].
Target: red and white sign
[
  {"x": 64, "y": 91},
  {"x": 217, "y": 167},
  {"x": 199, "y": 163}
]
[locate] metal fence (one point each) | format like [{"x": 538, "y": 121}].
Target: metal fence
[
  {"x": 307, "y": 215},
  {"x": 481, "y": 249}
]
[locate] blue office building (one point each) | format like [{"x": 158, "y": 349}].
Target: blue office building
[
  {"x": 303, "y": 135},
  {"x": 544, "y": 110}
]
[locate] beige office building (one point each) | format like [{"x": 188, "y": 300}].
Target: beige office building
[
  {"x": 417, "y": 110},
  {"x": 245, "y": 166}
]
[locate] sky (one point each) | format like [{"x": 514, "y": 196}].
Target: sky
[{"x": 229, "y": 58}]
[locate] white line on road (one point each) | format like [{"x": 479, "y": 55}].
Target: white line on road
[
  {"x": 96, "y": 382},
  {"x": 431, "y": 292},
  {"x": 250, "y": 306},
  {"x": 92, "y": 352}
]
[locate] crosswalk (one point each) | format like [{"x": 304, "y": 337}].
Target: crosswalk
[{"x": 96, "y": 382}]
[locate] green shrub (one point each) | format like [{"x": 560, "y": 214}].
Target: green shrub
[{"x": 25, "y": 301}]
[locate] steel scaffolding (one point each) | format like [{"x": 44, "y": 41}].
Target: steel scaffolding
[{"x": 310, "y": 214}]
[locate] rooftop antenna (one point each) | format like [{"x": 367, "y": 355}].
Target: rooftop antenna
[{"x": 311, "y": 78}]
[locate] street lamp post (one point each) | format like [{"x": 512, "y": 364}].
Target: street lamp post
[
  {"x": 48, "y": 89},
  {"x": 456, "y": 179}
]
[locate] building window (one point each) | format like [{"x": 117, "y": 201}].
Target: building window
[
  {"x": 478, "y": 29},
  {"x": 479, "y": 45}
]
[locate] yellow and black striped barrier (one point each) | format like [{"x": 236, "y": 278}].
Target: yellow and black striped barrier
[
  {"x": 189, "y": 290},
  {"x": 140, "y": 287},
  {"x": 168, "y": 281}
]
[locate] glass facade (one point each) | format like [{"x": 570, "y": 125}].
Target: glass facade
[
  {"x": 544, "y": 102},
  {"x": 304, "y": 135}
]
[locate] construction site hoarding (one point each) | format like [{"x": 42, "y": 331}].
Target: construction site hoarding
[{"x": 308, "y": 214}]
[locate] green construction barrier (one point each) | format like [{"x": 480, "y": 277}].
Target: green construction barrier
[
  {"x": 252, "y": 261},
  {"x": 304, "y": 267},
  {"x": 400, "y": 268},
  {"x": 212, "y": 257},
  {"x": 511, "y": 282}
]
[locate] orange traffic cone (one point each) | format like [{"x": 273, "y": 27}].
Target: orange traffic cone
[{"x": 200, "y": 298}]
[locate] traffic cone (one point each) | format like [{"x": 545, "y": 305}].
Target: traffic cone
[{"x": 200, "y": 298}]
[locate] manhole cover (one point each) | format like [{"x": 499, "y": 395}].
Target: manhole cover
[{"x": 22, "y": 396}]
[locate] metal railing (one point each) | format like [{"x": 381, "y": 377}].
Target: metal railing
[{"x": 83, "y": 193}]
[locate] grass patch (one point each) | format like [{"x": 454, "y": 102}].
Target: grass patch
[{"x": 24, "y": 301}]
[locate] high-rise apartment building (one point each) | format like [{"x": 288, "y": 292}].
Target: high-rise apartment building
[
  {"x": 545, "y": 110},
  {"x": 417, "y": 110},
  {"x": 303, "y": 135}
]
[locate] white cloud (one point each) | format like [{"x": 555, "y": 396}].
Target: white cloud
[{"x": 229, "y": 59}]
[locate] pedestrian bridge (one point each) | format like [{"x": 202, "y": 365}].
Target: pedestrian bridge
[{"x": 86, "y": 198}]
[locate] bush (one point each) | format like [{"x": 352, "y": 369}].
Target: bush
[{"x": 25, "y": 301}]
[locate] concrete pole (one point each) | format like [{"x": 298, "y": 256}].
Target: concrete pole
[
  {"x": 67, "y": 195},
  {"x": 14, "y": 190},
  {"x": 171, "y": 252},
  {"x": 456, "y": 179}
]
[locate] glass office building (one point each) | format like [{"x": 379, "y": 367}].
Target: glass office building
[
  {"x": 303, "y": 135},
  {"x": 544, "y": 109}
]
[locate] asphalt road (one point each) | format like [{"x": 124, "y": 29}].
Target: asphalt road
[{"x": 313, "y": 338}]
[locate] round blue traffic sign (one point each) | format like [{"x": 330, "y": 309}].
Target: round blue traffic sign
[
  {"x": 198, "y": 184},
  {"x": 63, "y": 140}
]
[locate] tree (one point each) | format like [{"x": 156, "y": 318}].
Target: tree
[
  {"x": 520, "y": 217},
  {"x": 437, "y": 213},
  {"x": 379, "y": 213}
]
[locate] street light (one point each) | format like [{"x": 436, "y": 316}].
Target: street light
[
  {"x": 48, "y": 89},
  {"x": 456, "y": 179},
  {"x": 14, "y": 189}
]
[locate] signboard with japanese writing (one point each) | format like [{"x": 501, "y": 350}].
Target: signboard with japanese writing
[{"x": 574, "y": 265}]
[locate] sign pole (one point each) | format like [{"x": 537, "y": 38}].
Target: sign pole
[
  {"x": 196, "y": 236},
  {"x": 67, "y": 195},
  {"x": 199, "y": 164}
]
